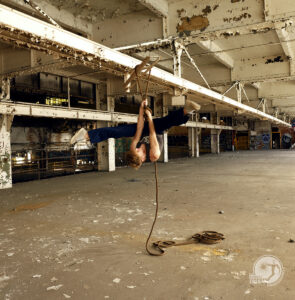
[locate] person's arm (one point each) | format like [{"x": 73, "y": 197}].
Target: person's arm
[
  {"x": 140, "y": 125},
  {"x": 154, "y": 145}
]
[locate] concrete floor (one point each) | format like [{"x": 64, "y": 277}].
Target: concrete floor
[{"x": 82, "y": 236}]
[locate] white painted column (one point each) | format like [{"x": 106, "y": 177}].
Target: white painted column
[
  {"x": 5, "y": 152},
  {"x": 198, "y": 135},
  {"x": 215, "y": 133},
  {"x": 111, "y": 142},
  {"x": 218, "y": 132},
  {"x": 191, "y": 141},
  {"x": 213, "y": 141},
  {"x": 215, "y": 144},
  {"x": 177, "y": 67},
  {"x": 165, "y": 148},
  {"x": 218, "y": 141},
  {"x": 165, "y": 135},
  {"x": 159, "y": 111},
  {"x": 106, "y": 149}
]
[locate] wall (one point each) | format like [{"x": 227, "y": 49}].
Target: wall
[{"x": 262, "y": 140}]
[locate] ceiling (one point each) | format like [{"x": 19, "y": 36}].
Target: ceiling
[
  {"x": 94, "y": 10},
  {"x": 260, "y": 59}
]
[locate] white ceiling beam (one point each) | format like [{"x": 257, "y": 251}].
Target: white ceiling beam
[
  {"x": 159, "y": 7},
  {"x": 284, "y": 102},
  {"x": 288, "y": 110},
  {"x": 261, "y": 69},
  {"x": 222, "y": 57},
  {"x": 37, "y": 110},
  {"x": 285, "y": 38},
  {"x": 255, "y": 82},
  {"x": 19, "y": 28},
  {"x": 288, "y": 44},
  {"x": 277, "y": 90}
]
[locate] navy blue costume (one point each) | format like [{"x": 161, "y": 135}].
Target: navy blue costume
[{"x": 174, "y": 118}]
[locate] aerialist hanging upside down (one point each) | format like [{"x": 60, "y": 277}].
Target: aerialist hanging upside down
[{"x": 147, "y": 136}]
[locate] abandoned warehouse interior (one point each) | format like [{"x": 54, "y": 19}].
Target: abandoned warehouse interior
[{"x": 67, "y": 65}]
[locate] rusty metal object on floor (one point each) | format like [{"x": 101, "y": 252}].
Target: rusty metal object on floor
[{"x": 32, "y": 206}]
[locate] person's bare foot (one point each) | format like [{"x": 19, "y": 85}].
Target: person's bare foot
[
  {"x": 80, "y": 136},
  {"x": 191, "y": 106}
]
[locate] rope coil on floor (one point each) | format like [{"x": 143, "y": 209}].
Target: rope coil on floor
[{"x": 204, "y": 237}]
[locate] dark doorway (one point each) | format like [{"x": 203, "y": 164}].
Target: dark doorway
[{"x": 276, "y": 140}]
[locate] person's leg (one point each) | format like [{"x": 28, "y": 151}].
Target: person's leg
[
  {"x": 174, "y": 118},
  {"x": 102, "y": 134}
]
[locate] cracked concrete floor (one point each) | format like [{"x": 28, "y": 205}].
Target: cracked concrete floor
[{"x": 82, "y": 236}]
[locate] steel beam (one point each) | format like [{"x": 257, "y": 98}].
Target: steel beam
[
  {"x": 217, "y": 53},
  {"x": 30, "y": 32},
  {"x": 38, "y": 110}
]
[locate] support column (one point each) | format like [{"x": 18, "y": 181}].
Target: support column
[
  {"x": 111, "y": 142},
  {"x": 5, "y": 151},
  {"x": 213, "y": 141},
  {"x": 159, "y": 111},
  {"x": 215, "y": 133},
  {"x": 218, "y": 141},
  {"x": 215, "y": 137},
  {"x": 192, "y": 137},
  {"x": 5, "y": 86},
  {"x": 177, "y": 51},
  {"x": 163, "y": 103},
  {"x": 198, "y": 135},
  {"x": 106, "y": 149},
  {"x": 191, "y": 141}
]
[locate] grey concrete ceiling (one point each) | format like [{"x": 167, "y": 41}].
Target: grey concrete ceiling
[
  {"x": 94, "y": 10},
  {"x": 263, "y": 59}
]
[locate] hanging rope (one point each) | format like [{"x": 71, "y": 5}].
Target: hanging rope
[
  {"x": 156, "y": 214},
  {"x": 205, "y": 237}
]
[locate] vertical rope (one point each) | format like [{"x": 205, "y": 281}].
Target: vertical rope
[{"x": 156, "y": 215}]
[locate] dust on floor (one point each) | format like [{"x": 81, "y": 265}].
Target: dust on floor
[{"x": 83, "y": 236}]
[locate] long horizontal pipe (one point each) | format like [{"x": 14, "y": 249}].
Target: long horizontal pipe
[{"x": 42, "y": 32}]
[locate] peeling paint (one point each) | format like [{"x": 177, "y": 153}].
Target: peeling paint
[
  {"x": 192, "y": 24},
  {"x": 264, "y": 30},
  {"x": 5, "y": 152},
  {"x": 228, "y": 34},
  {"x": 5, "y": 170},
  {"x": 5, "y": 163},
  {"x": 207, "y": 10},
  {"x": 51, "y": 48},
  {"x": 239, "y": 18},
  {"x": 96, "y": 11},
  {"x": 181, "y": 13},
  {"x": 276, "y": 59}
]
